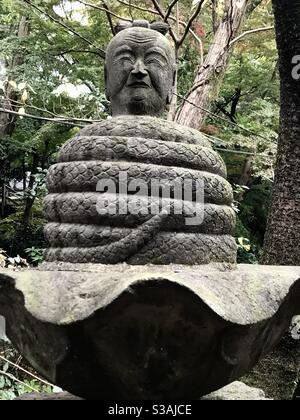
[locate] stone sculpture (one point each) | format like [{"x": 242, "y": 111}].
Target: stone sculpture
[
  {"x": 139, "y": 71},
  {"x": 167, "y": 324},
  {"x": 140, "y": 67}
]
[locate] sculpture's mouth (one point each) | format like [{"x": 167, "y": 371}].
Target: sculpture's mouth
[{"x": 143, "y": 85}]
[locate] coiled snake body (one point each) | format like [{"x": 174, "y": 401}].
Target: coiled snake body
[{"x": 145, "y": 148}]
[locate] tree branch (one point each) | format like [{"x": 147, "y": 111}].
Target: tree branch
[
  {"x": 190, "y": 22},
  {"x": 140, "y": 8},
  {"x": 71, "y": 121},
  {"x": 158, "y": 8},
  {"x": 108, "y": 15},
  {"x": 169, "y": 11},
  {"x": 252, "y": 31},
  {"x": 18, "y": 104},
  {"x": 102, "y": 9},
  {"x": 76, "y": 52},
  {"x": 213, "y": 115},
  {"x": 66, "y": 27},
  {"x": 163, "y": 14},
  {"x": 155, "y": 12}
]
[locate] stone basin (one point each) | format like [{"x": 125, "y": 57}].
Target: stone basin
[{"x": 147, "y": 332}]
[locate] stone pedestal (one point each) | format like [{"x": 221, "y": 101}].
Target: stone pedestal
[
  {"x": 147, "y": 332},
  {"x": 237, "y": 391}
]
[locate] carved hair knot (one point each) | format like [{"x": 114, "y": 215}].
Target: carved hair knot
[{"x": 161, "y": 27}]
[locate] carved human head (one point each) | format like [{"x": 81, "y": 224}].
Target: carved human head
[{"x": 139, "y": 70}]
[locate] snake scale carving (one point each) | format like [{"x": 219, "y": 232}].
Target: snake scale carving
[{"x": 145, "y": 148}]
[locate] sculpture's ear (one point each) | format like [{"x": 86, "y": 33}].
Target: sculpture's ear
[{"x": 107, "y": 93}]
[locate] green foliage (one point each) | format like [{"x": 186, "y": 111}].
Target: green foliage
[
  {"x": 14, "y": 381},
  {"x": 15, "y": 237},
  {"x": 35, "y": 255},
  {"x": 253, "y": 205},
  {"x": 254, "y": 209},
  {"x": 247, "y": 252}
]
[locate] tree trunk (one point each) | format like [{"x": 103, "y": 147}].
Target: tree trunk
[
  {"x": 7, "y": 122},
  {"x": 246, "y": 174},
  {"x": 210, "y": 74},
  {"x": 5, "y": 119},
  {"x": 173, "y": 104},
  {"x": 282, "y": 241},
  {"x": 31, "y": 192}
]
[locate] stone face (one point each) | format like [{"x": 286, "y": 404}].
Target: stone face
[
  {"x": 152, "y": 332},
  {"x": 140, "y": 72},
  {"x": 237, "y": 391}
]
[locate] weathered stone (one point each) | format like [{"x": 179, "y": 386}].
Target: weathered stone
[
  {"x": 62, "y": 396},
  {"x": 143, "y": 332},
  {"x": 123, "y": 154},
  {"x": 2, "y": 329},
  {"x": 135, "y": 188},
  {"x": 235, "y": 392},
  {"x": 140, "y": 72},
  {"x": 151, "y": 332},
  {"x": 278, "y": 372}
]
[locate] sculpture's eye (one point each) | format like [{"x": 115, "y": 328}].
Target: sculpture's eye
[
  {"x": 152, "y": 60},
  {"x": 124, "y": 59},
  {"x": 127, "y": 59}
]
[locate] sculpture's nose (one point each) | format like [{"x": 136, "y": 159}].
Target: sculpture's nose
[{"x": 139, "y": 69}]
